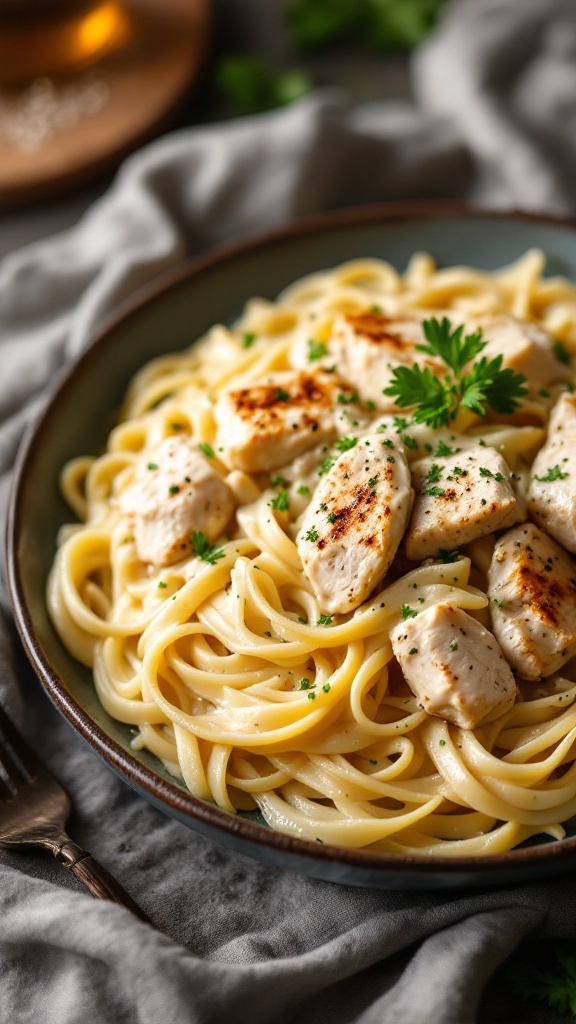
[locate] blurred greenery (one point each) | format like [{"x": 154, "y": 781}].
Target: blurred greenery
[
  {"x": 380, "y": 24},
  {"x": 251, "y": 85}
]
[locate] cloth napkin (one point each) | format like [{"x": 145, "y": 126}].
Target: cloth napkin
[{"x": 493, "y": 120}]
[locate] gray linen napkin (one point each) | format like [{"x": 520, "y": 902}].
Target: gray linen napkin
[{"x": 495, "y": 120}]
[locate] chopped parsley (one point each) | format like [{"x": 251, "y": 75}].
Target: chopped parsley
[
  {"x": 332, "y": 517},
  {"x": 442, "y": 743},
  {"x": 281, "y": 503},
  {"x": 303, "y": 489},
  {"x": 554, "y": 473},
  {"x": 436, "y": 401},
  {"x": 413, "y": 650},
  {"x": 387, "y": 442},
  {"x": 174, "y": 489},
  {"x": 267, "y": 632},
  {"x": 347, "y": 399},
  {"x": 408, "y": 612},
  {"x": 434, "y": 492},
  {"x": 324, "y": 620},
  {"x": 372, "y": 481},
  {"x": 434, "y": 473},
  {"x": 443, "y": 450},
  {"x": 561, "y": 352},
  {"x": 484, "y": 471},
  {"x": 206, "y": 449},
  {"x": 248, "y": 339},
  {"x": 344, "y": 444},
  {"x": 453, "y": 646},
  {"x": 281, "y": 395},
  {"x": 326, "y": 687},
  {"x": 326, "y": 465},
  {"x": 202, "y": 547},
  {"x": 311, "y": 696},
  {"x": 152, "y": 465},
  {"x": 409, "y": 442},
  {"x": 544, "y": 393},
  {"x": 302, "y": 620},
  {"x": 162, "y": 585},
  {"x": 448, "y": 556},
  {"x": 400, "y": 423},
  {"x": 316, "y": 350},
  {"x": 312, "y": 536},
  {"x": 500, "y": 604},
  {"x": 278, "y": 481}
]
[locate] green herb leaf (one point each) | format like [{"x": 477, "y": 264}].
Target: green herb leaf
[
  {"x": 408, "y": 612},
  {"x": 206, "y": 551},
  {"x": 303, "y": 489},
  {"x": 437, "y": 401},
  {"x": 561, "y": 352},
  {"x": 312, "y": 536},
  {"x": 326, "y": 465},
  {"x": 316, "y": 350},
  {"x": 206, "y": 449},
  {"x": 378, "y": 24},
  {"x": 434, "y": 492},
  {"x": 248, "y": 339},
  {"x": 345, "y": 443},
  {"x": 251, "y": 86},
  {"x": 324, "y": 620},
  {"x": 281, "y": 503},
  {"x": 448, "y": 556},
  {"x": 554, "y": 473}
]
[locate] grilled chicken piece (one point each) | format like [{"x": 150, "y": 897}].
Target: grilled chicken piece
[
  {"x": 454, "y": 666},
  {"x": 525, "y": 347},
  {"x": 459, "y": 498},
  {"x": 365, "y": 347},
  {"x": 269, "y": 423},
  {"x": 354, "y": 523},
  {"x": 532, "y": 591},
  {"x": 552, "y": 491},
  {"x": 176, "y": 492}
]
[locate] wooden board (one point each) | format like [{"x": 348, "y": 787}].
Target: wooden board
[{"x": 57, "y": 133}]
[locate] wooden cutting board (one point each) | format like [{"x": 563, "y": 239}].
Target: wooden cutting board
[{"x": 57, "y": 133}]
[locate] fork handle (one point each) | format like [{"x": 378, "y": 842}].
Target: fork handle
[{"x": 96, "y": 879}]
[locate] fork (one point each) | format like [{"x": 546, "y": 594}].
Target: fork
[{"x": 34, "y": 809}]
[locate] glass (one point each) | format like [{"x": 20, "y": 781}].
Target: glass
[{"x": 52, "y": 37}]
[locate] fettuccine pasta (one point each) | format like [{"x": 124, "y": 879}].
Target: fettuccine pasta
[{"x": 221, "y": 656}]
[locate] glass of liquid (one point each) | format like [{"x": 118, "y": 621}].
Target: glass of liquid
[{"x": 56, "y": 37}]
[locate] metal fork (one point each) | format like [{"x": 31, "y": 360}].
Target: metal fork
[{"x": 33, "y": 812}]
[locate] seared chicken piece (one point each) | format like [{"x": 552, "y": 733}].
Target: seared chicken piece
[
  {"x": 552, "y": 491},
  {"x": 454, "y": 666},
  {"x": 532, "y": 591},
  {"x": 271, "y": 422},
  {"x": 525, "y": 348},
  {"x": 365, "y": 347},
  {"x": 354, "y": 523},
  {"x": 459, "y": 498},
  {"x": 175, "y": 493}
]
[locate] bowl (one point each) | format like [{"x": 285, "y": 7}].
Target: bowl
[{"x": 166, "y": 316}]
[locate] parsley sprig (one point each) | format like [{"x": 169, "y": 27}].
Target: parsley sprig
[
  {"x": 552, "y": 980},
  {"x": 436, "y": 400}
]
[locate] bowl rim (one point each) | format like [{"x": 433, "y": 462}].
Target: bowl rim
[{"x": 133, "y": 771}]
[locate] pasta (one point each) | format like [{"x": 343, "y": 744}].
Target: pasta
[{"x": 223, "y": 661}]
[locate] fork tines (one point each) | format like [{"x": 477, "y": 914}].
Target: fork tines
[{"x": 17, "y": 761}]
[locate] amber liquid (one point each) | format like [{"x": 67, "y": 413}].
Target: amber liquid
[{"x": 54, "y": 37}]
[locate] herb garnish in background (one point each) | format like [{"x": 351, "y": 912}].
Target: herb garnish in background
[
  {"x": 252, "y": 86},
  {"x": 549, "y": 976},
  {"x": 379, "y": 24}
]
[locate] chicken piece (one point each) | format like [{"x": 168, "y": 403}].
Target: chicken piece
[
  {"x": 354, "y": 523},
  {"x": 552, "y": 491},
  {"x": 525, "y": 347},
  {"x": 532, "y": 591},
  {"x": 175, "y": 493},
  {"x": 365, "y": 347},
  {"x": 454, "y": 666},
  {"x": 269, "y": 423},
  {"x": 459, "y": 498}
]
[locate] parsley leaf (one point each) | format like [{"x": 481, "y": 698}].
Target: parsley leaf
[
  {"x": 448, "y": 556},
  {"x": 202, "y": 547},
  {"x": 561, "y": 352},
  {"x": 251, "y": 86},
  {"x": 324, "y": 620},
  {"x": 434, "y": 492},
  {"x": 248, "y": 339},
  {"x": 345, "y": 443},
  {"x": 408, "y": 612},
  {"x": 206, "y": 449},
  {"x": 554, "y": 473},
  {"x": 326, "y": 465},
  {"x": 281, "y": 503},
  {"x": 316, "y": 350},
  {"x": 379, "y": 24},
  {"x": 437, "y": 401},
  {"x": 552, "y": 981}
]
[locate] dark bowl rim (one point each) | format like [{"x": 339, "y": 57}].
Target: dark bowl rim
[{"x": 485, "y": 869}]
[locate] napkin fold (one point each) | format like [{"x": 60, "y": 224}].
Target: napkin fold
[{"x": 494, "y": 120}]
